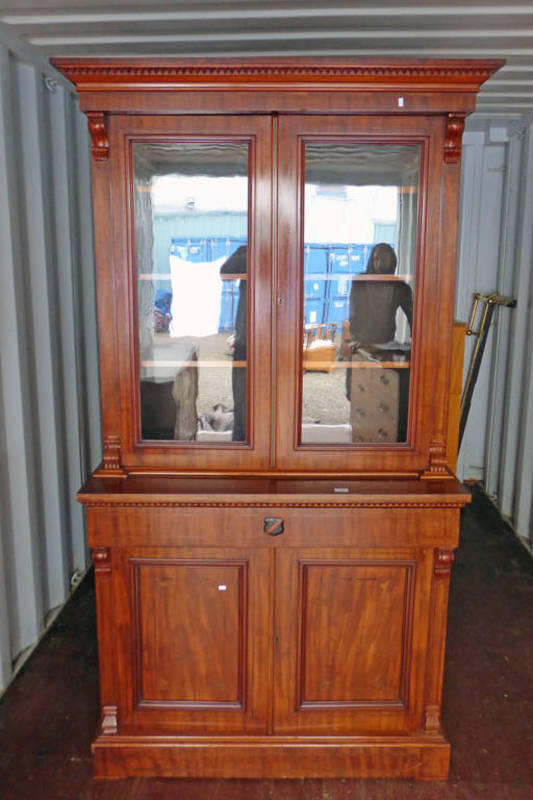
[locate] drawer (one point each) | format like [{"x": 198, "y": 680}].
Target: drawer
[{"x": 273, "y": 527}]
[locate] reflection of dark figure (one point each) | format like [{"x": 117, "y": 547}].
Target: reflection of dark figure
[
  {"x": 373, "y": 306},
  {"x": 236, "y": 265}
]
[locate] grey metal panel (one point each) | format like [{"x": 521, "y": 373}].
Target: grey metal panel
[
  {"x": 64, "y": 188},
  {"x": 471, "y": 182},
  {"x": 5, "y": 637},
  {"x": 522, "y": 288},
  {"x": 496, "y": 217},
  {"x": 524, "y": 478},
  {"x": 47, "y": 329},
  {"x": 42, "y": 285},
  {"x": 485, "y": 271},
  {"x": 91, "y": 378},
  {"x": 17, "y": 485},
  {"x": 504, "y": 317}
]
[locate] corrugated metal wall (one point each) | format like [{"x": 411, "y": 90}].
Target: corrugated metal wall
[
  {"x": 49, "y": 400},
  {"x": 496, "y": 254},
  {"x": 49, "y": 396}
]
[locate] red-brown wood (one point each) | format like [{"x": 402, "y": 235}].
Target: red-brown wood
[
  {"x": 255, "y": 132},
  {"x": 274, "y": 609},
  {"x": 418, "y": 757},
  {"x": 376, "y": 603},
  {"x": 194, "y": 658}
]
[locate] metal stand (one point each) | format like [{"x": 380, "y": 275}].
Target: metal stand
[{"x": 491, "y": 301}]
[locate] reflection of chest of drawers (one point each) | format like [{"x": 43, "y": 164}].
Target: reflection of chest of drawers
[{"x": 375, "y": 398}]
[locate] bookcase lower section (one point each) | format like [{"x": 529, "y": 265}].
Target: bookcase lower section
[
  {"x": 421, "y": 757},
  {"x": 287, "y": 640}
]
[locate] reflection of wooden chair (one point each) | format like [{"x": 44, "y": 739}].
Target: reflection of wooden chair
[{"x": 319, "y": 347}]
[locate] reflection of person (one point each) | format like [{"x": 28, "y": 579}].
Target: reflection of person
[
  {"x": 373, "y": 304},
  {"x": 236, "y": 265},
  {"x": 373, "y": 307}
]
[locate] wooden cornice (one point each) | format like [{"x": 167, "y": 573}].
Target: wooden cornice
[{"x": 406, "y": 75}]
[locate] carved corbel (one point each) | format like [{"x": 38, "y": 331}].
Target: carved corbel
[
  {"x": 109, "y": 720},
  {"x": 101, "y": 557},
  {"x": 442, "y": 562},
  {"x": 432, "y": 720},
  {"x": 110, "y": 466},
  {"x": 455, "y": 126},
  {"x": 98, "y": 131},
  {"x": 438, "y": 467}
]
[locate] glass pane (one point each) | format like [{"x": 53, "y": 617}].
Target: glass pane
[
  {"x": 191, "y": 231},
  {"x": 360, "y": 234}
]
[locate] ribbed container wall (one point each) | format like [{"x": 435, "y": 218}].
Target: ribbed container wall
[
  {"x": 496, "y": 254},
  {"x": 49, "y": 393}
]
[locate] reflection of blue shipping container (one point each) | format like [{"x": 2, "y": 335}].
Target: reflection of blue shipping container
[
  {"x": 315, "y": 259},
  {"x": 339, "y": 259},
  {"x": 327, "y": 270},
  {"x": 228, "y": 305},
  {"x": 314, "y": 289},
  {"x": 314, "y": 311},
  {"x": 339, "y": 310}
]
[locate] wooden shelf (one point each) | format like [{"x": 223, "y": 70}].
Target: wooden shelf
[
  {"x": 180, "y": 364},
  {"x": 166, "y": 276},
  {"x": 308, "y": 276},
  {"x": 362, "y": 364}
]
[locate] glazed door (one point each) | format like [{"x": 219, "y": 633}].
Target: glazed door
[
  {"x": 193, "y": 639},
  {"x": 191, "y": 208},
  {"x": 360, "y": 350},
  {"x": 351, "y": 633}
]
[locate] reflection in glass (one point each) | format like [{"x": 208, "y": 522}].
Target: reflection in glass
[
  {"x": 191, "y": 223},
  {"x": 360, "y": 227}
]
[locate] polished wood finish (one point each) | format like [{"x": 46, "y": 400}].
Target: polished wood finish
[
  {"x": 274, "y": 609},
  {"x": 456, "y": 388}
]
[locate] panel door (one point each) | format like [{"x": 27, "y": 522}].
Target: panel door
[
  {"x": 351, "y": 631},
  {"x": 189, "y": 625},
  {"x": 191, "y": 300},
  {"x": 364, "y": 300}
]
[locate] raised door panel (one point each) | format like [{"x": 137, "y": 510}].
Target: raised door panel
[
  {"x": 196, "y": 620},
  {"x": 190, "y": 632},
  {"x": 351, "y": 628}
]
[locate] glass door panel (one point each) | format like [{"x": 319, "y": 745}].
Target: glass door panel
[
  {"x": 358, "y": 198},
  {"x": 360, "y": 238},
  {"x": 191, "y": 243}
]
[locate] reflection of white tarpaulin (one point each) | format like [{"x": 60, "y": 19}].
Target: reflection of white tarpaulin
[{"x": 196, "y": 297}]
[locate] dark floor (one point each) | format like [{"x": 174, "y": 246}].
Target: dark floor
[{"x": 49, "y": 714}]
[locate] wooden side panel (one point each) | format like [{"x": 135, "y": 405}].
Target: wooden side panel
[{"x": 351, "y": 632}]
